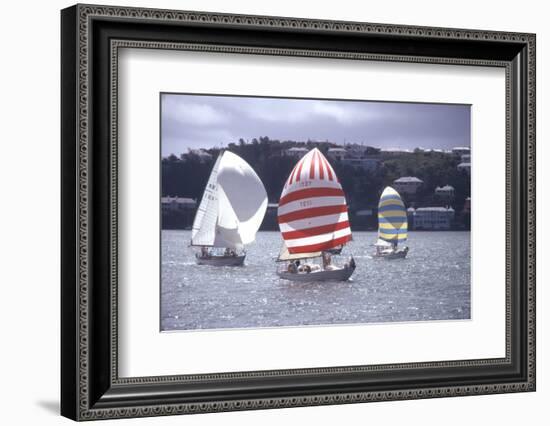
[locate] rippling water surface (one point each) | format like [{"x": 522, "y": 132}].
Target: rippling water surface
[{"x": 432, "y": 283}]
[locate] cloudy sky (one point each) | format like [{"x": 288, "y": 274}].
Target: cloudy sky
[{"x": 196, "y": 121}]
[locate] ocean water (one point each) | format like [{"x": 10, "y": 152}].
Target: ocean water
[{"x": 432, "y": 283}]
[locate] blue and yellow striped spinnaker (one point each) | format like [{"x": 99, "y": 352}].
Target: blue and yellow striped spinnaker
[{"x": 392, "y": 217}]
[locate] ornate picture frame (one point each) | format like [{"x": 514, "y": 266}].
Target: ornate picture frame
[{"x": 91, "y": 37}]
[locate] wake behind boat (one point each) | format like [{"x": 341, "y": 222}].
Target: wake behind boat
[
  {"x": 313, "y": 219},
  {"x": 230, "y": 213},
  {"x": 392, "y": 226}
]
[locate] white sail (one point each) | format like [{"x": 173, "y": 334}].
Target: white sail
[
  {"x": 237, "y": 203},
  {"x": 244, "y": 201},
  {"x": 227, "y": 225},
  {"x": 204, "y": 225},
  {"x": 382, "y": 243}
]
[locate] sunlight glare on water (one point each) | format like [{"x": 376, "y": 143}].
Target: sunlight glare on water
[{"x": 432, "y": 283}]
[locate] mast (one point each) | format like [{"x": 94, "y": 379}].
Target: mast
[
  {"x": 312, "y": 213},
  {"x": 203, "y": 230}
]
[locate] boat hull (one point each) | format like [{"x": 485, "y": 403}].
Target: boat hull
[
  {"x": 221, "y": 260},
  {"x": 341, "y": 274},
  {"x": 390, "y": 256}
]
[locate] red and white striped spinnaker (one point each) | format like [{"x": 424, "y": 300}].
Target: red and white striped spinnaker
[{"x": 312, "y": 214}]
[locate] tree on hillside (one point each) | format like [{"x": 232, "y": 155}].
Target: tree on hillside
[{"x": 187, "y": 176}]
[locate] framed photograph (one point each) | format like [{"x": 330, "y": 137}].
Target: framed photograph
[{"x": 264, "y": 212}]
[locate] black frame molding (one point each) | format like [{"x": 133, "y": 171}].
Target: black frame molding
[{"x": 90, "y": 38}]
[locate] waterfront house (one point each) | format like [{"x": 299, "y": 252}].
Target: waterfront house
[
  {"x": 177, "y": 212},
  {"x": 270, "y": 218},
  {"x": 354, "y": 156},
  {"x": 428, "y": 150},
  {"x": 446, "y": 192},
  {"x": 201, "y": 154},
  {"x": 175, "y": 204},
  {"x": 368, "y": 164},
  {"x": 466, "y": 167},
  {"x": 394, "y": 151},
  {"x": 407, "y": 184},
  {"x": 433, "y": 218},
  {"x": 410, "y": 216},
  {"x": 336, "y": 153},
  {"x": 296, "y": 152},
  {"x": 461, "y": 150}
]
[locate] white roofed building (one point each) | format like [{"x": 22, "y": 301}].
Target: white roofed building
[
  {"x": 410, "y": 216},
  {"x": 445, "y": 192},
  {"x": 395, "y": 151},
  {"x": 461, "y": 150},
  {"x": 201, "y": 154},
  {"x": 296, "y": 152},
  {"x": 337, "y": 153},
  {"x": 356, "y": 150},
  {"x": 433, "y": 218},
  {"x": 407, "y": 184},
  {"x": 177, "y": 203},
  {"x": 177, "y": 212}
]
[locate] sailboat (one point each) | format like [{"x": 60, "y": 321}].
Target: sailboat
[
  {"x": 392, "y": 226},
  {"x": 230, "y": 213},
  {"x": 313, "y": 219}
]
